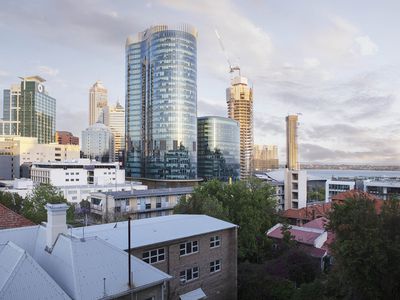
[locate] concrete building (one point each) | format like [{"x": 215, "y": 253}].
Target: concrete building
[
  {"x": 265, "y": 158},
  {"x": 218, "y": 153},
  {"x": 292, "y": 148},
  {"x": 161, "y": 103},
  {"x": 66, "y": 138},
  {"x": 114, "y": 118},
  {"x": 98, "y": 143},
  {"x": 295, "y": 189},
  {"x": 98, "y": 99},
  {"x": 138, "y": 204},
  {"x": 77, "y": 172},
  {"x": 37, "y": 112},
  {"x": 239, "y": 97},
  {"x": 198, "y": 251},
  {"x": 383, "y": 189},
  {"x": 17, "y": 150},
  {"x": 46, "y": 262},
  {"x": 334, "y": 187}
]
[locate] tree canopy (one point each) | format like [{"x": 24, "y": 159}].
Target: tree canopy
[
  {"x": 250, "y": 205},
  {"x": 34, "y": 204}
]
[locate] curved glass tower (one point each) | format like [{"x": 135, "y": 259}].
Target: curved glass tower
[
  {"x": 161, "y": 103},
  {"x": 219, "y": 148}
]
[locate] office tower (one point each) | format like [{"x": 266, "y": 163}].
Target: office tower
[
  {"x": 218, "y": 149},
  {"x": 98, "y": 99},
  {"x": 66, "y": 138},
  {"x": 161, "y": 103},
  {"x": 265, "y": 157},
  {"x": 37, "y": 113},
  {"x": 239, "y": 97},
  {"x": 114, "y": 118},
  {"x": 11, "y": 106},
  {"x": 97, "y": 143},
  {"x": 292, "y": 150}
]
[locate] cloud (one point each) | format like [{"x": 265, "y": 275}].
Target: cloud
[
  {"x": 3, "y": 73},
  {"x": 48, "y": 70},
  {"x": 366, "y": 45}
]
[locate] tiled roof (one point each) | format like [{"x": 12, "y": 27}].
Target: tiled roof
[
  {"x": 302, "y": 235},
  {"x": 10, "y": 219},
  {"x": 308, "y": 213},
  {"x": 318, "y": 223},
  {"x": 354, "y": 194}
]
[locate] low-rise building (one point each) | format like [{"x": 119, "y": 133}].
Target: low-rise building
[
  {"x": 46, "y": 262},
  {"x": 16, "y": 150},
  {"x": 77, "y": 172},
  {"x": 383, "y": 189},
  {"x": 137, "y": 204},
  {"x": 334, "y": 187},
  {"x": 295, "y": 189},
  {"x": 198, "y": 251},
  {"x": 10, "y": 219}
]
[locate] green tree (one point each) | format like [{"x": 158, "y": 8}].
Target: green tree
[
  {"x": 34, "y": 204},
  {"x": 11, "y": 200},
  {"x": 367, "y": 249},
  {"x": 251, "y": 205}
]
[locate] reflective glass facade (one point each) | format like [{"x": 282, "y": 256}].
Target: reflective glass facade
[
  {"x": 161, "y": 104},
  {"x": 37, "y": 112},
  {"x": 218, "y": 148}
]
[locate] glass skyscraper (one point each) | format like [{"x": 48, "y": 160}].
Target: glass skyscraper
[
  {"x": 161, "y": 103},
  {"x": 219, "y": 148},
  {"x": 37, "y": 113}
]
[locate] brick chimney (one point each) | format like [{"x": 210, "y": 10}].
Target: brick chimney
[{"x": 56, "y": 222}]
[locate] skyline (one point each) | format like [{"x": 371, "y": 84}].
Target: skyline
[{"x": 338, "y": 68}]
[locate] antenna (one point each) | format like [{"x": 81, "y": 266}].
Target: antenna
[{"x": 231, "y": 67}]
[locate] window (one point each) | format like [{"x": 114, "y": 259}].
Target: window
[
  {"x": 215, "y": 266},
  {"x": 189, "y": 274},
  {"x": 188, "y": 248},
  {"x": 215, "y": 241},
  {"x": 154, "y": 256},
  {"x": 148, "y": 205},
  {"x": 158, "y": 203}
]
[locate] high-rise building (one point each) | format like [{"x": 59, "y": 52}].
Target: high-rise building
[
  {"x": 218, "y": 153},
  {"x": 98, "y": 99},
  {"x": 37, "y": 112},
  {"x": 11, "y": 107},
  {"x": 239, "y": 97},
  {"x": 114, "y": 118},
  {"x": 292, "y": 149},
  {"x": 161, "y": 103},
  {"x": 265, "y": 157},
  {"x": 97, "y": 143},
  {"x": 66, "y": 138}
]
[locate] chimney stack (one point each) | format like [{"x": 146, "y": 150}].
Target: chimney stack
[{"x": 56, "y": 222}]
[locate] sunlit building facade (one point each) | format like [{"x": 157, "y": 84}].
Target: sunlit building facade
[
  {"x": 98, "y": 143},
  {"x": 239, "y": 97},
  {"x": 218, "y": 148},
  {"x": 98, "y": 99},
  {"x": 292, "y": 148},
  {"x": 161, "y": 103},
  {"x": 11, "y": 107},
  {"x": 114, "y": 118},
  {"x": 265, "y": 158}
]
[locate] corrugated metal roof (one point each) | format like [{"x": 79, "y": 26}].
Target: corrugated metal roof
[
  {"x": 21, "y": 277},
  {"x": 150, "y": 192},
  {"x": 154, "y": 230},
  {"x": 196, "y": 294}
]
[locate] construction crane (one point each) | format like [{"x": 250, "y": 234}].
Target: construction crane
[{"x": 231, "y": 67}]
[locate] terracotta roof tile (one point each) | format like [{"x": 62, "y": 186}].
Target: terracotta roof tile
[{"x": 10, "y": 219}]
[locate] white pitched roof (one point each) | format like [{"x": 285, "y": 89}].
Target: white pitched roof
[
  {"x": 79, "y": 265},
  {"x": 196, "y": 294},
  {"x": 154, "y": 230},
  {"x": 21, "y": 277}
]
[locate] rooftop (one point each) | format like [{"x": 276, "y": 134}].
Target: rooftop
[
  {"x": 309, "y": 212},
  {"x": 10, "y": 219},
  {"x": 302, "y": 235},
  {"x": 150, "y": 192},
  {"x": 154, "y": 230}
]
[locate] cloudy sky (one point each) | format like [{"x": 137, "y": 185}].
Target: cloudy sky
[{"x": 336, "y": 62}]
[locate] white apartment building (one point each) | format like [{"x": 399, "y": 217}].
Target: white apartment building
[
  {"x": 334, "y": 187},
  {"x": 295, "y": 189},
  {"x": 78, "y": 172}
]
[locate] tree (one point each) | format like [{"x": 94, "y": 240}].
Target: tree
[
  {"x": 251, "y": 205},
  {"x": 11, "y": 200},
  {"x": 366, "y": 248},
  {"x": 34, "y": 204}
]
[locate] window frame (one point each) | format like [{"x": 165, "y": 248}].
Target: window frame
[
  {"x": 215, "y": 241},
  {"x": 157, "y": 255},
  {"x": 194, "y": 248},
  {"x": 193, "y": 272},
  {"x": 215, "y": 266}
]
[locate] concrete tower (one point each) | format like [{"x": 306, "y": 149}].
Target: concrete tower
[
  {"x": 292, "y": 149},
  {"x": 114, "y": 118},
  {"x": 239, "y": 97},
  {"x": 98, "y": 99}
]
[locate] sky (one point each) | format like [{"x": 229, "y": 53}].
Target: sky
[{"x": 335, "y": 62}]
